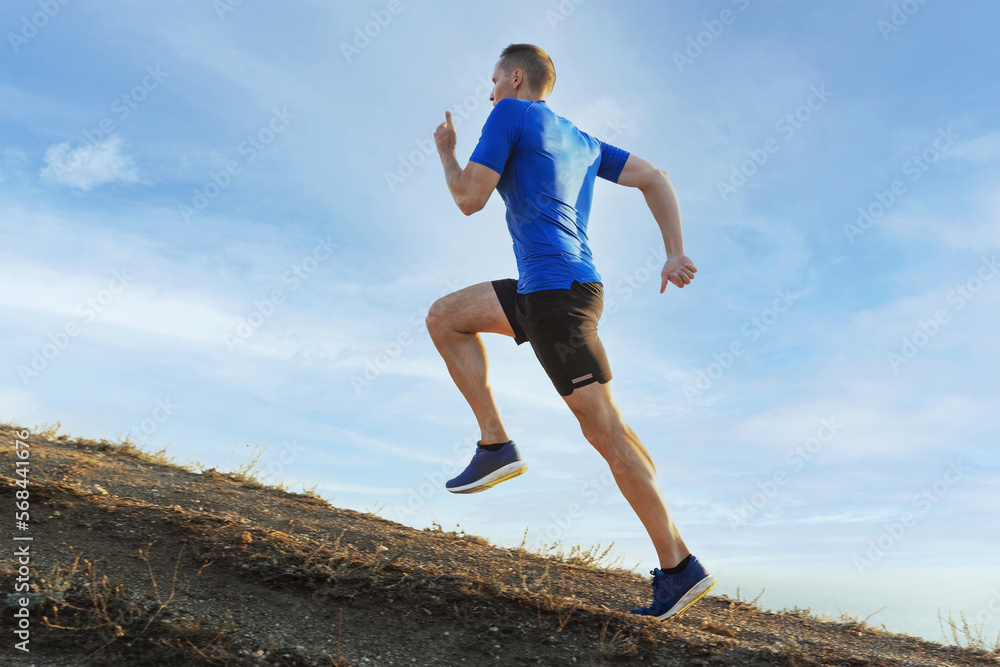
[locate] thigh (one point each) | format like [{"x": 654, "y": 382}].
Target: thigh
[{"x": 473, "y": 309}]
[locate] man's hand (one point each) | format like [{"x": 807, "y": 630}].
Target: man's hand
[
  {"x": 470, "y": 187},
  {"x": 444, "y": 135},
  {"x": 679, "y": 270},
  {"x": 662, "y": 202}
]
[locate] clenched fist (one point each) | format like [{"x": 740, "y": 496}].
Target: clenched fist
[{"x": 678, "y": 270}]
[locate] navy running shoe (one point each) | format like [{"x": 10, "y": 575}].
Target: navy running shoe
[
  {"x": 673, "y": 593},
  {"x": 488, "y": 469}
]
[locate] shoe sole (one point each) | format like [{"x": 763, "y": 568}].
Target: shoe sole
[
  {"x": 696, "y": 593},
  {"x": 508, "y": 471}
]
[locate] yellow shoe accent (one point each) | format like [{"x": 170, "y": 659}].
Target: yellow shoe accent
[
  {"x": 700, "y": 596},
  {"x": 502, "y": 479}
]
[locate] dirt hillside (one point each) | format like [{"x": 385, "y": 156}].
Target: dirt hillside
[{"x": 135, "y": 562}]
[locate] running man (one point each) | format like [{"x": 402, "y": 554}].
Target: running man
[{"x": 544, "y": 169}]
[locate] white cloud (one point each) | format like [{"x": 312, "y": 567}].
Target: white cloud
[
  {"x": 984, "y": 148},
  {"x": 87, "y": 166},
  {"x": 176, "y": 313}
]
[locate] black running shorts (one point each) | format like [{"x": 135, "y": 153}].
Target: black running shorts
[{"x": 561, "y": 325}]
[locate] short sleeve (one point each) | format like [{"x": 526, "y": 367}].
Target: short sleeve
[
  {"x": 500, "y": 135},
  {"x": 613, "y": 160}
]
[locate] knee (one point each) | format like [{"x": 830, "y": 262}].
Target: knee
[
  {"x": 437, "y": 318},
  {"x": 601, "y": 431},
  {"x": 610, "y": 437}
]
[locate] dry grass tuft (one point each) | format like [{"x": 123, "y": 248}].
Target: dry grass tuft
[{"x": 968, "y": 634}]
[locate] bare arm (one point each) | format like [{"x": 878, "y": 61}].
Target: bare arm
[
  {"x": 470, "y": 187},
  {"x": 662, "y": 202}
]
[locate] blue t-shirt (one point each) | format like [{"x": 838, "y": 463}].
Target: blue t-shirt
[{"x": 547, "y": 168}]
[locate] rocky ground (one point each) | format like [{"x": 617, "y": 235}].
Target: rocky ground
[{"x": 135, "y": 561}]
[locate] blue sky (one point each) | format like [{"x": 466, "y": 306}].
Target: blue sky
[{"x": 221, "y": 225}]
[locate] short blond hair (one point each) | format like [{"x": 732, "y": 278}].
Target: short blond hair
[{"x": 538, "y": 69}]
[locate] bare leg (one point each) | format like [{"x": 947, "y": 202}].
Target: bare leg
[
  {"x": 454, "y": 322},
  {"x": 631, "y": 466}
]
